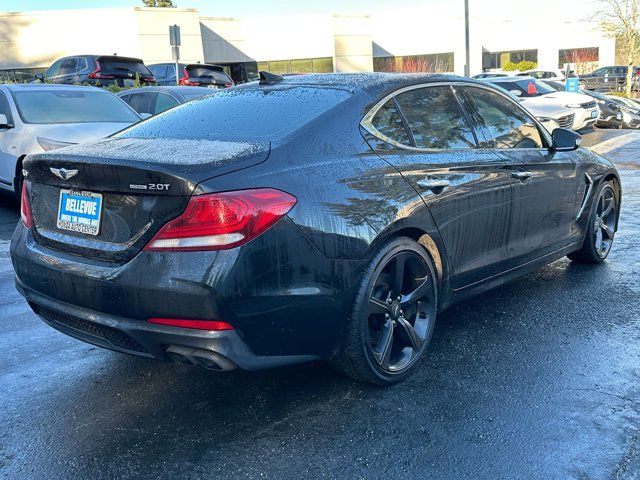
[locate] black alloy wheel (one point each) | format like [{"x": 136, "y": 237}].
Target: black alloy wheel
[
  {"x": 601, "y": 227},
  {"x": 394, "y": 315}
]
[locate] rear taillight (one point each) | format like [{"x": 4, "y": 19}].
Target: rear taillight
[
  {"x": 219, "y": 221},
  {"x": 185, "y": 79},
  {"x": 215, "y": 325},
  {"x": 149, "y": 79},
  {"x": 98, "y": 75},
  {"x": 25, "y": 207},
  {"x": 228, "y": 85}
]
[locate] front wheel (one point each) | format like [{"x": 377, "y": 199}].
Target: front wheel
[
  {"x": 601, "y": 227},
  {"x": 393, "y": 315}
]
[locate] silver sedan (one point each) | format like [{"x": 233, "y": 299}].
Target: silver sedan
[{"x": 36, "y": 118}]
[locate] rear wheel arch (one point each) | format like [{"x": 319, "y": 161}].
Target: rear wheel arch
[{"x": 423, "y": 238}]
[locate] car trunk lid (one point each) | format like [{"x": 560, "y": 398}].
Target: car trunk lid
[{"x": 142, "y": 183}]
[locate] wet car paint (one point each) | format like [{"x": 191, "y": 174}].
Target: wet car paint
[
  {"x": 289, "y": 291},
  {"x": 536, "y": 379}
]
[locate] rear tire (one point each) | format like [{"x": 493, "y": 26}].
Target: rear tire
[
  {"x": 600, "y": 227},
  {"x": 393, "y": 315}
]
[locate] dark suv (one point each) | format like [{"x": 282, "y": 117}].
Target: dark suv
[
  {"x": 194, "y": 74},
  {"x": 607, "y": 79},
  {"x": 100, "y": 70}
]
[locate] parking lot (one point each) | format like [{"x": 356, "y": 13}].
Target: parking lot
[{"x": 537, "y": 379}]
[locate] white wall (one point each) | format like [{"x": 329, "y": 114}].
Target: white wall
[
  {"x": 267, "y": 38},
  {"x": 36, "y": 39}
]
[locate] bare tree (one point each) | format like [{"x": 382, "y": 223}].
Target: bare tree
[
  {"x": 619, "y": 19},
  {"x": 159, "y": 3}
]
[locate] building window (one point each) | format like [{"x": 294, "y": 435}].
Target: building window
[
  {"x": 301, "y": 65},
  {"x": 431, "y": 63},
  {"x": 578, "y": 56},
  {"x": 491, "y": 60}
]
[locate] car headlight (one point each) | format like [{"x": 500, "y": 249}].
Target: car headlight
[
  {"x": 48, "y": 144},
  {"x": 573, "y": 105}
]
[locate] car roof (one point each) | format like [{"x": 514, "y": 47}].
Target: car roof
[
  {"x": 508, "y": 79},
  {"x": 17, "y": 87},
  {"x": 361, "y": 82},
  {"x": 168, "y": 89}
]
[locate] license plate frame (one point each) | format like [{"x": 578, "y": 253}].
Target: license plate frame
[{"x": 76, "y": 216}]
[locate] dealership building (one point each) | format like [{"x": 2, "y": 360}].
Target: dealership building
[{"x": 415, "y": 39}]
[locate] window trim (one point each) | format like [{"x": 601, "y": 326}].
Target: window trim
[{"x": 367, "y": 120}]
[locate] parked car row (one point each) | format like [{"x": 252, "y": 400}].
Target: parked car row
[
  {"x": 104, "y": 70},
  {"x": 571, "y": 110}
]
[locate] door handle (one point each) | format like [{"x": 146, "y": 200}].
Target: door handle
[
  {"x": 523, "y": 176},
  {"x": 433, "y": 183}
]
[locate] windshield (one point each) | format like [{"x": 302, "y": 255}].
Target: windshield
[
  {"x": 72, "y": 106},
  {"x": 243, "y": 114},
  {"x": 527, "y": 88}
]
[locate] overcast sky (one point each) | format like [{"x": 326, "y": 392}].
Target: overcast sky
[{"x": 248, "y": 8}]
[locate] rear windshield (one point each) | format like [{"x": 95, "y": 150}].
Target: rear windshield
[
  {"x": 113, "y": 66},
  {"x": 527, "y": 88},
  {"x": 241, "y": 114},
  {"x": 208, "y": 72},
  {"x": 72, "y": 106}
]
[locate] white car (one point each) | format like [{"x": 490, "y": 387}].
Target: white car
[
  {"x": 36, "y": 118},
  {"x": 550, "y": 116},
  {"x": 537, "y": 92},
  {"x": 553, "y": 74}
]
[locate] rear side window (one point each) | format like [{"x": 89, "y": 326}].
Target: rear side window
[
  {"x": 164, "y": 102},
  {"x": 435, "y": 118},
  {"x": 68, "y": 66},
  {"x": 142, "y": 102},
  {"x": 242, "y": 114},
  {"x": 389, "y": 123},
  {"x": 501, "y": 122}
]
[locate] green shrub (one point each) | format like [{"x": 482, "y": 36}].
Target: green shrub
[{"x": 521, "y": 66}]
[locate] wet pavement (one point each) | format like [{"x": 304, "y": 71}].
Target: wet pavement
[{"x": 536, "y": 379}]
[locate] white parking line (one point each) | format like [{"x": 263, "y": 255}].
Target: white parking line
[{"x": 615, "y": 142}]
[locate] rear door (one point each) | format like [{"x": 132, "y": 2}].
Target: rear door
[
  {"x": 424, "y": 132},
  {"x": 544, "y": 182}
]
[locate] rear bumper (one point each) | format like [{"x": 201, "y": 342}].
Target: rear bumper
[
  {"x": 223, "y": 350},
  {"x": 286, "y": 301}
]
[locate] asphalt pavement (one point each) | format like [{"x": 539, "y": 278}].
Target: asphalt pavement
[{"x": 538, "y": 379}]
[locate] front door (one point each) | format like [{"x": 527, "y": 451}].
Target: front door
[
  {"x": 544, "y": 182},
  {"x": 424, "y": 133}
]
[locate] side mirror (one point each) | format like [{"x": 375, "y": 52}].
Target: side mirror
[
  {"x": 564, "y": 140},
  {"x": 4, "y": 122},
  {"x": 39, "y": 76}
]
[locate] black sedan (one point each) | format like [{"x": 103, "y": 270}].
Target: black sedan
[{"x": 301, "y": 218}]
